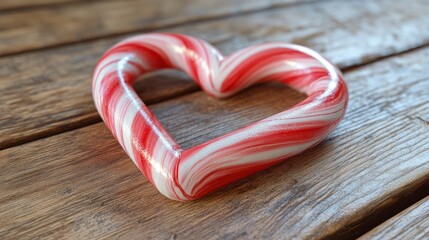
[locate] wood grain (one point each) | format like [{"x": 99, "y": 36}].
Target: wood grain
[
  {"x": 25, "y": 4},
  {"x": 80, "y": 184},
  {"x": 48, "y": 92},
  {"x": 52, "y": 26},
  {"x": 412, "y": 223}
]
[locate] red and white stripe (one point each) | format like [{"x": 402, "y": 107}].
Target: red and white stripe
[{"x": 189, "y": 174}]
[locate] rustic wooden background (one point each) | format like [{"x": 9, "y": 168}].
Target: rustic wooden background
[{"x": 64, "y": 176}]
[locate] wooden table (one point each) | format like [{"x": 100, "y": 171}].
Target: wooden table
[{"x": 64, "y": 176}]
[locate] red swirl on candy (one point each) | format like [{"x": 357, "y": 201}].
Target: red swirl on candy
[{"x": 189, "y": 174}]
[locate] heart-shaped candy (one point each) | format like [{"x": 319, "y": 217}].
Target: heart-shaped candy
[{"x": 189, "y": 174}]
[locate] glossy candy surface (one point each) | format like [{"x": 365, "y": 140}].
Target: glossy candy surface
[{"x": 189, "y": 174}]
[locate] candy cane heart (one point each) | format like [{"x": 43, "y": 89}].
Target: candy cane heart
[{"x": 189, "y": 174}]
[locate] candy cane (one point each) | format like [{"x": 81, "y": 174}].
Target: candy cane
[{"x": 189, "y": 174}]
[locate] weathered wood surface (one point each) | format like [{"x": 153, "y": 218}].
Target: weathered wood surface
[
  {"x": 80, "y": 184},
  {"x": 20, "y": 4},
  {"x": 48, "y": 92},
  {"x": 51, "y": 26},
  {"x": 412, "y": 223}
]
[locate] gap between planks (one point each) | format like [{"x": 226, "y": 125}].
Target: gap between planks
[
  {"x": 412, "y": 223},
  {"x": 18, "y": 5}
]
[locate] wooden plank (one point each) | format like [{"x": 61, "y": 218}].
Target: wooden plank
[
  {"x": 52, "y": 26},
  {"x": 80, "y": 184},
  {"x": 412, "y": 223},
  {"x": 20, "y": 4},
  {"x": 48, "y": 92}
]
